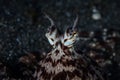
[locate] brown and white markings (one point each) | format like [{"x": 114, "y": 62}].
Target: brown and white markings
[{"x": 63, "y": 62}]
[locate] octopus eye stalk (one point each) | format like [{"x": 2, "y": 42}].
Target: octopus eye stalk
[
  {"x": 50, "y": 19},
  {"x": 75, "y": 23},
  {"x": 52, "y": 32},
  {"x": 70, "y": 35}
]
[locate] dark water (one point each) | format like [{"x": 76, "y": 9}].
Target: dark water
[{"x": 23, "y": 26}]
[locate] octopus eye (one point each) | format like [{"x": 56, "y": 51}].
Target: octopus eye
[
  {"x": 52, "y": 39},
  {"x": 65, "y": 40},
  {"x": 74, "y": 33},
  {"x": 70, "y": 35}
]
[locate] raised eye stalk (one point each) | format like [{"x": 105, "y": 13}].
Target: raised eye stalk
[
  {"x": 52, "y": 33},
  {"x": 75, "y": 23},
  {"x": 50, "y": 19},
  {"x": 70, "y": 35}
]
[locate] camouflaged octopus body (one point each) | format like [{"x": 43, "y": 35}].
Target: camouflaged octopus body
[{"x": 63, "y": 62}]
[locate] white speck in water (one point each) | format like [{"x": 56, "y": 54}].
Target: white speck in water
[
  {"x": 94, "y": 39},
  {"x": 109, "y": 74},
  {"x": 103, "y": 49},
  {"x": 119, "y": 64},
  {"x": 91, "y": 34},
  {"x": 105, "y": 30},
  {"x": 18, "y": 19},
  {"x": 93, "y": 44},
  {"x": 7, "y": 12},
  {"x": 96, "y": 14},
  {"x": 8, "y": 58},
  {"x": 114, "y": 54},
  {"x": 114, "y": 34},
  {"x": 104, "y": 38},
  {"x": 68, "y": 14},
  {"x": 39, "y": 25},
  {"x": 108, "y": 62}
]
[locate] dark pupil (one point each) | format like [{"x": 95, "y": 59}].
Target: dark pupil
[
  {"x": 65, "y": 40},
  {"x": 52, "y": 39}
]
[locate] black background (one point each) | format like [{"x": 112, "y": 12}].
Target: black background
[{"x": 23, "y": 26}]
